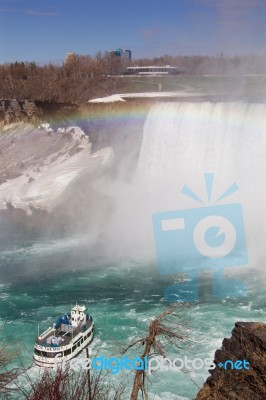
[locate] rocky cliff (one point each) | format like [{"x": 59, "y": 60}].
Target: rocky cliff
[
  {"x": 14, "y": 110},
  {"x": 243, "y": 380},
  {"x": 46, "y": 176}
]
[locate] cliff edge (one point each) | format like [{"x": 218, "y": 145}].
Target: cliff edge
[{"x": 239, "y": 381}]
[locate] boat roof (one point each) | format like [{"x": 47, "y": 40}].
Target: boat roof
[{"x": 79, "y": 308}]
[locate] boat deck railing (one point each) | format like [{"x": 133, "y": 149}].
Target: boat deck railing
[{"x": 62, "y": 336}]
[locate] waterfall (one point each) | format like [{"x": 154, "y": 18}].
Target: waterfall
[
  {"x": 192, "y": 138},
  {"x": 181, "y": 142}
]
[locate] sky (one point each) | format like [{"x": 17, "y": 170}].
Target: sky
[{"x": 45, "y": 31}]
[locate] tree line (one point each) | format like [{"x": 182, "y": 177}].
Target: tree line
[
  {"x": 211, "y": 65},
  {"x": 83, "y": 76},
  {"x": 75, "y": 81}
]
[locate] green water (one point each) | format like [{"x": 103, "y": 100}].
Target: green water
[{"x": 41, "y": 279}]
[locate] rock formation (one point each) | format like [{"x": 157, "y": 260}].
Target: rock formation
[
  {"x": 248, "y": 342},
  {"x": 14, "y": 110},
  {"x": 47, "y": 173}
]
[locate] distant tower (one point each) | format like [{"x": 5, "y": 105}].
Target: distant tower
[
  {"x": 69, "y": 58},
  {"x": 126, "y": 54}
]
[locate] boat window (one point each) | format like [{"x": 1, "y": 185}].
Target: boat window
[
  {"x": 74, "y": 348},
  {"x": 88, "y": 334},
  {"x": 40, "y": 353},
  {"x": 67, "y": 352}
]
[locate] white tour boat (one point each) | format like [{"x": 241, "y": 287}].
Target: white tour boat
[{"x": 65, "y": 340}]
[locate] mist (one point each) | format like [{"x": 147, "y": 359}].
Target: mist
[
  {"x": 180, "y": 143},
  {"x": 108, "y": 214}
]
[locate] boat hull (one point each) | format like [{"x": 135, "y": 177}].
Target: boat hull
[{"x": 50, "y": 357}]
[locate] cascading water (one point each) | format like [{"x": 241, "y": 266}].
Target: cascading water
[
  {"x": 182, "y": 141},
  {"x": 192, "y": 138}
]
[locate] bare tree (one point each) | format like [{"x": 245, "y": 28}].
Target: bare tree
[
  {"x": 67, "y": 384},
  {"x": 7, "y": 375},
  {"x": 164, "y": 330}
]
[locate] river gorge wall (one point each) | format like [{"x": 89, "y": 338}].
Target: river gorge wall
[
  {"x": 33, "y": 111},
  {"x": 248, "y": 342}
]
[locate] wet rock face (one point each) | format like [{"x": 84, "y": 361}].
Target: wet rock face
[
  {"x": 248, "y": 342},
  {"x": 45, "y": 177},
  {"x": 14, "y": 110}
]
